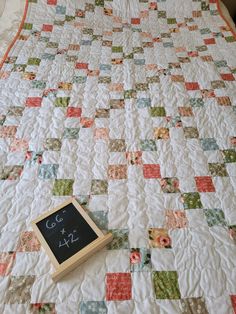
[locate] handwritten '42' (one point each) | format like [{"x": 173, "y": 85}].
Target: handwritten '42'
[{"x": 71, "y": 238}]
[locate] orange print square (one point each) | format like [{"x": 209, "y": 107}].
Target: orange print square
[
  {"x": 118, "y": 286},
  {"x": 204, "y": 184}
]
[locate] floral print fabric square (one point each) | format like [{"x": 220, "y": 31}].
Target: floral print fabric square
[
  {"x": 118, "y": 286},
  {"x": 140, "y": 259},
  {"x": 42, "y": 308},
  {"x": 166, "y": 284},
  {"x": 215, "y": 217},
  {"x": 176, "y": 219},
  {"x": 116, "y": 172},
  {"x": 120, "y": 239},
  {"x": 6, "y": 263},
  {"x": 28, "y": 242},
  {"x": 93, "y": 307},
  {"x": 170, "y": 185},
  {"x": 191, "y": 200},
  {"x": 159, "y": 238},
  {"x": 151, "y": 171},
  {"x": 19, "y": 289},
  {"x": 193, "y": 305}
]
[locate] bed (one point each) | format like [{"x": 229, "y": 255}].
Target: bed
[{"x": 129, "y": 107}]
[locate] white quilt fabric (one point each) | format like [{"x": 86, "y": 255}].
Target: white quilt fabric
[{"x": 130, "y": 108}]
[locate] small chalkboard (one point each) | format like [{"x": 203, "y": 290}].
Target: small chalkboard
[{"x": 69, "y": 236}]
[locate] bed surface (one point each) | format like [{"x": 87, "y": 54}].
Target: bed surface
[{"x": 132, "y": 112}]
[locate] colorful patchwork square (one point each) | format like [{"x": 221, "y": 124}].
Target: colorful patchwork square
[
  {"x": 53, "y": 144},
  {"x": 232, "y": 233},
  {"x": 161, "y": 133},
  {"x": 99, "y": 187},
  {"x": 151, "y": 171},
  {"x": 209, "y": 144},
  {"x": 227, "y": 77},
  {"x": 134, "y": 158},
  {"x": 73, "y": 112},
  {"x": 34, "y": 102},
  {"x": 118, "y": 286},
  {"x": 185, "y": 111},
  {"x": 100, "y": 218},
  {"x": 41, "y": 308},
  {"x": 15, "y": 111},
  {"x": 63, "y": 187},
  {"x": 140, "y": 259},
  {"x": 215, "y": 217},
  {"x": 65, "y": 86},
  {"x": 223, "y": 101},
  {"x": 159, "y": 238},
  {"x": 229, "y": 155},
  {"x": 71, "y": 133},
  {"x": 191, "y": 200},
  {"x": 173, "y": 122},
  {"x": 47, "y": 172},
  {"x": 52, "y": 2},
  {"x": 193, "y": 305},
  {"x": 19, "y": 289},
  {"x": 196, "y": 102},
  {"x": 19, "y": 145},
  {"x": 208, "y": 93},
  {"x": 120, "y": 239},
  {"x": 33, "y": 157},
  {"x": 217, "y": 84},
  {"x": 204, "y": 184},
  {"x": 166, "y": 284},
  {"x": 233, "y": 301},
  {"x": 190, "y": 132},
  {"x": 47, "y": 28},
  {"x": 209, "y": 41},
  {"x": 176, "y": 219},
  {"x": 93, "y": 307},
  {"x": 117, "y": 146},
  {"x": 62, "y": 101},
  {"x": 157, "y": 112},
  {"x": 101, "y": 134},
  {"x": 7, "y": 131},
  {"x": 117, "y": 172},
  {"x": 192, "y": 86},
  {"x": 217, "y": 170},
  {"x": 148, "y": 145},
  {"x": 28, "y": 242},
  {"x": 7, "y": 261},
  {"x": 11, "y": 172},
  {"x": 170, "y": 185},
  {"x": 86, "y": 122},
  {"x": 102, "y": 113}
]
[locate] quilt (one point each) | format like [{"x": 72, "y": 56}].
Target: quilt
[{"x": 129, "y": 107}]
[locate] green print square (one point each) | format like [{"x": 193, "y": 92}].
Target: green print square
[
  {"x": 157, "y": 112},
  {"x": 166, "y": 285},
  {"x": 62, "y": 101},
  {"x": 71, "y": 133},
  {"x": 230, "y": 39},
  {"x": 48, "y": 171},
  {"x": 28, "y": 26},
  {"x": 34, "y": 61},
  {"x": 218, "y": 170},
  {"x": 99, "y": 187},
  {"x": 117, "y": 49},
  {"x": 120, "y": 239},
  {"x": 148, "y": 145},
  {"x": 99, "y": 3},
  {"x": 38, "y": 84},
  {"x": 229, "y": 155},
  {"x": 171, "y": 21},
  {"x": 63, "y": 187},
  {"x": 215, "y": 217},
  {"x": 191, "y": 200}
]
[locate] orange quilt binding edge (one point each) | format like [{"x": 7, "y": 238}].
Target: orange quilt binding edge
[
  {"x": 224, "y": 18},
  {"x": 25, "y": 14},
  {"x": 17, "y": 34}
]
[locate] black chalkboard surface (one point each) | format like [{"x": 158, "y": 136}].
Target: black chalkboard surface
[
  {"x": 69, "y": 236},
  {"x": 66, "y": 232}
]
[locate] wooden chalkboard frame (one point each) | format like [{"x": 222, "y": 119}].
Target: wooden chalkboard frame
[{"x": 82, "y": 255}]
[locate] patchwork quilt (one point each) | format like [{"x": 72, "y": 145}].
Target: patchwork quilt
[{"x": 134, "y": 115}]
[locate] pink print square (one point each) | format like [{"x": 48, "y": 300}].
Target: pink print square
[
  {"x": 101, "y": 134},
  {"x": 151, "y": 171}
]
